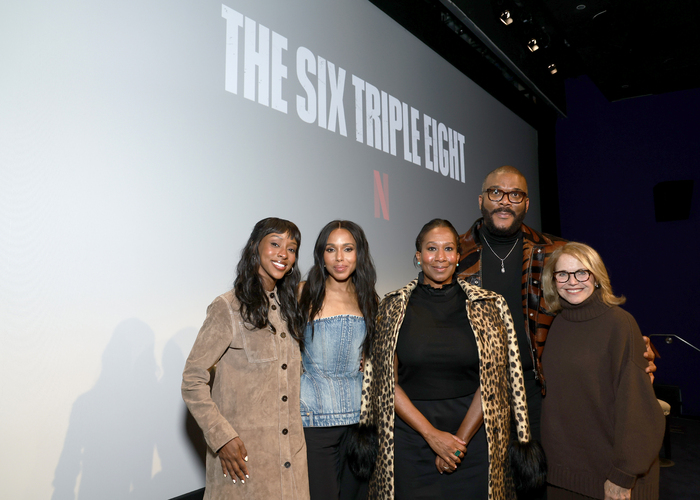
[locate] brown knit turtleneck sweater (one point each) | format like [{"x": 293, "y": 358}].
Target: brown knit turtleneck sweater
[{"x": 600, "y": 418}]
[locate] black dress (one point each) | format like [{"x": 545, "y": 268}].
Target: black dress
[{"x": 439, "y": 371}]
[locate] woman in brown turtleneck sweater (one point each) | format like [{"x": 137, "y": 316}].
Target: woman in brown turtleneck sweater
[{"x": 602, "y": 426}]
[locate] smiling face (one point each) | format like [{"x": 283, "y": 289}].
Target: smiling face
[
  {"x": 504, "y": 218},
  {"x": 277, "y": 252},
  {"x": 340, "y": 255},
  {"x": 573, "y": 291},
  {"x": 438, "y": 257}
]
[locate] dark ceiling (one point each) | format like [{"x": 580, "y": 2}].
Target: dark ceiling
[
  {"x": 631, "y": 48},
  {"x": 628, "y": 48}
]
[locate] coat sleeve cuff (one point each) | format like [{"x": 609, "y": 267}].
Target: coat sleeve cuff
[
  {"x": 219, "y": 435},
  {"x": 621, "y": 478}
]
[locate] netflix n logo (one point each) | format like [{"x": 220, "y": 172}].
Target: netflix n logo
[{"x": 381, "y": 195}]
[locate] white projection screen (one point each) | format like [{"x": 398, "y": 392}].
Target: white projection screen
[{"x": 140, "y": 141}]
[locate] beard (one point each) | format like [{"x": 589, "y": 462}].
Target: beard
[{"x": 506, "y": 231}]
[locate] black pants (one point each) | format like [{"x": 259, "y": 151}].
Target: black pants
[
  {"x": 330, "y": 477},
  {"x": 534, "y": 407}
]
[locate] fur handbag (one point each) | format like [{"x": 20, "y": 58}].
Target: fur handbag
[
  {"x": 362, "y": 450},
  {"x": 528, "y": 465}
]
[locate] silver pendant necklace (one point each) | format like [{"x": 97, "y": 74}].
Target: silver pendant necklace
[{"x": 503, "y": 260}]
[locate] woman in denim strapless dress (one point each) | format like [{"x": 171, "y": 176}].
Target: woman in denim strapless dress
[{"x": 341, "y": 304}]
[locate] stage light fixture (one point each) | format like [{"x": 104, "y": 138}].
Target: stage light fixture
[
  {"x": 506, "y": 18},
  {"x": 552, "y": 68},
  {"x": 532, "y": 45}
]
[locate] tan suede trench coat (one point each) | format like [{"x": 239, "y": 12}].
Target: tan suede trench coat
[{"x": 254, "y": 396}]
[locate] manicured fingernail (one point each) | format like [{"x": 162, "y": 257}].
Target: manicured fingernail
[
  {"x": 234, "y": 481},
  {"x": 224, "y": 475},
  {"x": 247, "y": 476},
  {"x": 246, "y": 458},
  {"x": 242, "y": 481}
]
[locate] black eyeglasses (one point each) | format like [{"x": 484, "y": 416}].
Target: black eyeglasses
[
  {"x": 581, "y": 275},
  {"x": 514, "y": 197}
]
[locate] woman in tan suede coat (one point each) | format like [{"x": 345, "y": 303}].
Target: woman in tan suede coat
[{"x": 249, "y": 344}]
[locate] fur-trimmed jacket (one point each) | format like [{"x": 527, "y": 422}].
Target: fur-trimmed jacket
[
  {"x": 501, "y": 382},
  {"x": 537, "y": 248}
]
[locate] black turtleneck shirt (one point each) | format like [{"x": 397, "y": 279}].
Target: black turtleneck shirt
[
  {"x": 508, "y": 283},
  {"x": 438, "y": 356}
]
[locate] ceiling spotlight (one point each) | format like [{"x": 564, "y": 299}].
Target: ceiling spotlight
[
  {"x": 532, "y": 45},
  {"x": 506, "y": 18},
  {"x": 552, "y": 68}
]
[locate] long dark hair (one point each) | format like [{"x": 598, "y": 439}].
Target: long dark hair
[
  {"x": 364, "y": 278},
  {"x": 248, "y": 286}
]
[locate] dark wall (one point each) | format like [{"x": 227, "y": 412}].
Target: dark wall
[{"x": 609, "y": 157}]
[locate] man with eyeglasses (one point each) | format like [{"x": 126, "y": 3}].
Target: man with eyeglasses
[{"x": 502, "y": 254}]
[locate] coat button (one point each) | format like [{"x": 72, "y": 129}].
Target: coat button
[
  {"x": 285, "y": 431},
  {"x": 287, "y": 465},
  {"x": 273, "y": 307},
  {"x": 284, "y": 366},
  {"x": 283, "y": 335},
  {"x": 272, "y": 295},
  {"x": 284, "y": 398}
]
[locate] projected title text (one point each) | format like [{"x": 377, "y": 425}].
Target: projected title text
[{"x": 380, "y": 118}]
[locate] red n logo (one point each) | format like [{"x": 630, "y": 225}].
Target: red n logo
[{"x": 381, "y": 195}]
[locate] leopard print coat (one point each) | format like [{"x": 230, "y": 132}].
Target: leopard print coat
[{"x": 501, "y": 381}]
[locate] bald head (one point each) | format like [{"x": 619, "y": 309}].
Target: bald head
[
  {"x": 502, "y": 217},
  {"x": 505, "y": 169}
]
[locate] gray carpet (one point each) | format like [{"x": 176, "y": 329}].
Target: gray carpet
[{"x": 682, "y": 481}]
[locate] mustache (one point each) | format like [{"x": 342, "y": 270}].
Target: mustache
[{"x": 503, "y": 209}]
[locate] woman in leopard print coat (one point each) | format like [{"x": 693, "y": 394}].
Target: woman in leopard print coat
[{"x": 500, "y": 382}]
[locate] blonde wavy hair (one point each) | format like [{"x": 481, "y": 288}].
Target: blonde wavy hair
[{"x": 591, "y": 261}]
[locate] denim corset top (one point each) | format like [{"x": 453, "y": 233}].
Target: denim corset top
[{"x": 331, "y": 384}]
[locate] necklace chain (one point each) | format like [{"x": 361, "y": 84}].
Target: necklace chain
[{"x": 503, "y": 260}]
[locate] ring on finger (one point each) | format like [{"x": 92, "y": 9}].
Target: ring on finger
[{"x": 458, "y": 453}]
